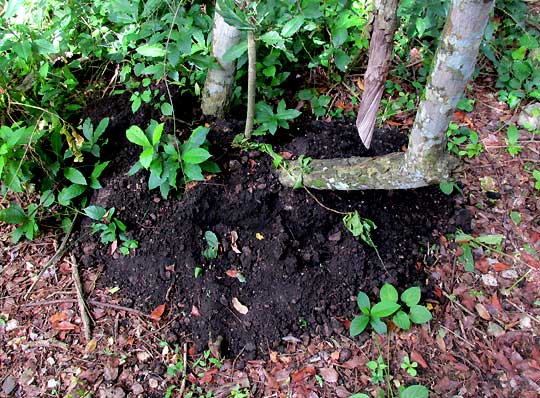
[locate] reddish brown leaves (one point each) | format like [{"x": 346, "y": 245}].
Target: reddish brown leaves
[{"x": 158, "y": 312}]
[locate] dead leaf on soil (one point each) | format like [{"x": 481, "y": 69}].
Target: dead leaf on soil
[
  {"x": 238, "y": 306},
  {"x": 195, "y": 311},
  {"x": 498, "y": 267},
  {"x": 234, "y": 239},
  {"x": 64, "y": 325},
  {"x": 303, "y": 373},
  {"x": 417, "y": 357},
  {"x": 158, "y": 312},
  {"x": 114, "y": 246},
  {"x": 91, "y": 346},
  {"x": 482, "y": 311},
  {"x": 329, "y": 375}
]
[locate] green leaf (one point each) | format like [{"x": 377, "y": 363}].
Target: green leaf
[
  {"x": 193, "y": 172},
  {"x": 378, "y": 325},
  {"x": 136, "y": 135},
  {"x": 195, "y": 155},
  {"x": 389, "y": 293},
  {"x": 401, "y": 320},
  {"x": 11, "y": 8},
  {"x": 420, "y": 314},
  {"x": 446, "y": 187},
  {"x": 152, "y": 50},
  {"x": 359, "y": 395},
  {"x": 100, "y": 129},
  {"x": 156, "y": 135},
  {"x": 47, "y": 198},
  {"x": 166, "y": 109},
  {"x": 146, "y": 157},
  {"x": 272, "y": 38},
  {"x": 211, "y": 239},
  {"x": 14, "y": 214},
  {"x": 411, "y": 296},
  {"x": 197, "y": 138},
  {"x": 384, "y": 308},
  {"x": 292, "y": 26},
  {"x": 341, "y": 59},
  {"x": 415, "y": 391},
  {"x": 235, "y": 51},
  {"x": 68, "y": 193},
  {"x": 75, "y": 176},
  {"x": 467, "y": 258},
  {"x": 490, "y": 239},
  {"x": 98, "y": 169},
  {"x": 227, "y": 8},
  {"x": 363, "y": 301},
  {"x": 95, "y": 212},
  {"x": 358, "y": 325}
]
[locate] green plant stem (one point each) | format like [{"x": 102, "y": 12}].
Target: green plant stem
[{"x": 252, "y": 83}]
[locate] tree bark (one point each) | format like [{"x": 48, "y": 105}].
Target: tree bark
[
  {"x": 220, "y": 79},
  {"x": 380, "y": 54},
  {"x": 426, "y": 160}
]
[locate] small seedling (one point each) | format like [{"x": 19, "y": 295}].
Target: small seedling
[
  {"x": 388, "y": 306},
  {"x": 378, "y": 369},
  {"x": 360, "y": 227},
  {"x": 409, "y": 366},
  {"x": 198, "y": 272},
  {"x": 513, "y": 140},
  {"x": 536, "y": 176},
  {"x": 211, "y": 250},
  {"x": 110, "y": 228}
]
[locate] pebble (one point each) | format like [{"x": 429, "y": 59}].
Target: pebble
[
  {"x": 137, "y": 389},
  {"x": 509, "y": 274},
  {"x": 11, "y": 325},
  {"x": 495, "y": 330},
  {"x": 153, "y": 383},
  {"x": 111, "y": 392},
  {"x": 8, "y": 385},
  {"x": 525, "y": 323},
  {"x": 489, "y": 280},
  {"x": 110, "y": 373}
]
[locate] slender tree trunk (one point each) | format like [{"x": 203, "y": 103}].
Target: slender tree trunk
[
  {"x": 380, "y": 55},
  {"x": 427, "y": 160},
  {"x": 220, "y": 79},
  {"x": 252, "y": 82}
]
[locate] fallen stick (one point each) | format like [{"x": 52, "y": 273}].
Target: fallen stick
[
  {"x": 85, "y": 318},
  {"x": 91, "y": 302}
]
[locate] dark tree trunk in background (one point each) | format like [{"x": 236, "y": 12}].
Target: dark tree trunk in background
[
  {"x": 427, "y": 160},
  {"x": 380, "y": 56}
]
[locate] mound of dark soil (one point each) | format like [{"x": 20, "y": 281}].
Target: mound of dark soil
[{"x": 302, "y": 269}]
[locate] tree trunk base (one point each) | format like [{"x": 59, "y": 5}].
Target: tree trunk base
[{"x": 391, "y": 171}]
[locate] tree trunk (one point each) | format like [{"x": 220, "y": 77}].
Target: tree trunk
[
  {"x": 380, "y": 54},
  {"x": 220, "y": 79},
  {"x": 427, "y": 160},
  {"x": 252, "y": 83}
]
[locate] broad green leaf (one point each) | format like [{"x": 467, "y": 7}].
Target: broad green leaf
[
  {"x": 363, "y": 301},
  {"x": 272, "y": 38},
  {"x": 419, "y": 314},
  {"x": 378, "y": 325},
  {"x": 230, "y": 13},
  {"x": 75, "y": 176},
  {"x": 235, "y": 51},
  {"x": 389, "y": 293},
  {"x": 47, "y": 198},
  {"x": 45, "y": 47},
  {"x": 197, "y": 138},
  {"x": 98, "y": 169},
  {"x": 100, "y": 129},
  {"x": 490, "y": 239},
  {"x": 167, "y": 109},
  {"x": 411, "y": 296},
  {"x": 156, "y": 135},
  {"x": 14, "y": 214},
  {"x": 195, "y": 155},
  {"x": 339, "y": 36},
  {"x": 415, "y": 391},
  {"x": 358, "y": 325},
  {"x": 211, "y": 239},
  {"x": 341, "y": 59},
  {"x": 154, "y": 181},
  {"x": 95, "y": 212},
  {"x": 384, "y": 308},
  {"x": 359, "y": 395},
  {"x": 68, "y": 193},
  {"x": 193, "y": 172},
  {"x": 446, "y": 187},
  {"x": 467, "y": 258},
  {"x": 402, "y": 320},
  {"x": 136, "y": 135},
  {"x": 210, "y": 167},
  {"x": 292, "y": 26},
  {"x": 146, "y": 157},
  {"x": 151, "y": 50},
  {"x": 11, "y": 8}
]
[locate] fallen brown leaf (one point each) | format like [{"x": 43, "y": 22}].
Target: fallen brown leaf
[
  {"x": 329, "y": 375},
  {"x": 417, "y": 357},
  {"x": 482, "y": 311},
  {"x": 158, "y": 312},
  {"x": 238, "y": 306},
  {"x": 498, "y": 267}
]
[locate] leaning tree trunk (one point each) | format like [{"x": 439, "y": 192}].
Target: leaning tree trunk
[
  {"x": 380, "y": 54},
  {"x": 426, "y": 160},
  {"x": 220, "y": 79}
]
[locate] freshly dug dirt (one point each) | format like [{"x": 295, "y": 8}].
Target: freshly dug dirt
[{"x": 302, "y": 268}]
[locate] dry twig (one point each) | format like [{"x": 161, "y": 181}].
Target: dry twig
[{"x": 85, "y": 318}]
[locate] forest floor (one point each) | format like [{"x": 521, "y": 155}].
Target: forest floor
[{"x": 287, "y": 260}]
